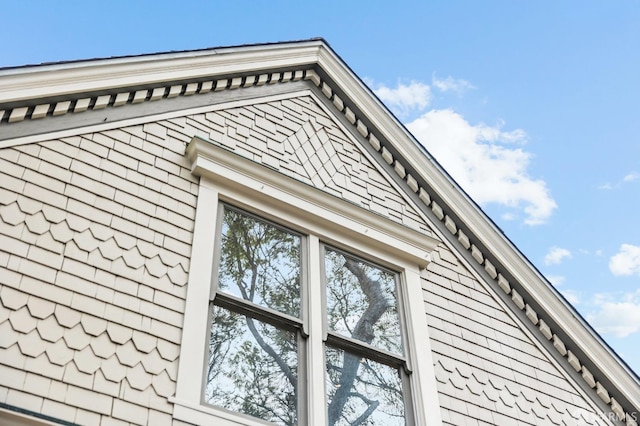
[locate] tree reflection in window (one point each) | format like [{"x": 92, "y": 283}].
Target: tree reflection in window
[
  {"x": 364, "y": 343},
  {"x": 253, "y": 350}
]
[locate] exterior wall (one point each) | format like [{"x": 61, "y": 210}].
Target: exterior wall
[
  {"x": 488, "y": 370},
  {"x": 95, "y": 234}
]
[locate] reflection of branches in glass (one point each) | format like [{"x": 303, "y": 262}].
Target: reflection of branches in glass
[
  {"x": 362, "y": 305},
  {"x": 374, "y": 397},
  {"x": 361, "y": 302},
  {"x": 247, "y": 378},
  {"x": 253, "y": 365},
  {"x": 254, "y": 370},
  {"x": 260, "y": 263},
  {"x": 220, "y": 340}
]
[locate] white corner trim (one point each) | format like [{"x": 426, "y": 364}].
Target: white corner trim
[{"x": 198, "y": 288}]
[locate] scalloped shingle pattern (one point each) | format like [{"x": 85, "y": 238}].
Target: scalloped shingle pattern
[
  {"x": 95, "y": 234},
  {"x": 488, "y": 371}
]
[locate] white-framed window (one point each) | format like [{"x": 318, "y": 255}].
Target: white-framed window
[{"x": 301, "y": 308}]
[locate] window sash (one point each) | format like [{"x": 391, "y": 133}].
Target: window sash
[
  {"x": 261, "y": 312},
  {"x": 366, "y": 351},
  {"x": 215, "y": 290},
  {"x": 267, "y": 315},
  {"x": 338, "y": 341},
  {"x": 400, "y": 307},
  {"x": 362, "y": 390},
  {"x": 300, "y": 367}
]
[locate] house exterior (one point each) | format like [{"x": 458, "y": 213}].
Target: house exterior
[{"x": 246, "y": 235}]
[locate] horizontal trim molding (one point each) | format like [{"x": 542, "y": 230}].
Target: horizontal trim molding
[{"x": 220, "y": 165}]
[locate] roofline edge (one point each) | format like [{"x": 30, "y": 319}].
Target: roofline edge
[{"x": 24, "y": 84}]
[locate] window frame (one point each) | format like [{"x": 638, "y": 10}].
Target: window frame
[
  {"x": 338, "y": 341},
  {"x": 260, "y": 313},
  {"x": 323, "y": 219}
]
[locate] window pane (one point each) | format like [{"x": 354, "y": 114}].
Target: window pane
[
  {"x": 260, "y": 263},
  {"x": 252, "y": 368},
  {"x": 361, "y": 301},
  {"x": 362, "y": 392}
]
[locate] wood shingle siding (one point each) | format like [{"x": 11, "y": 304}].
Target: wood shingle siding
[{"x": 94, "y": 258}]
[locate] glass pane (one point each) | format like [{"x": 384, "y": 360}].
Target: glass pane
[
  {"x": 361, "y": 301},
  {"x": 362, "y": 392},
  {"x": 252, "y": 368},
  {"x": 260, "y": 263}
]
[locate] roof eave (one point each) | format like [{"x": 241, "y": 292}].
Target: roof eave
[{"x": 18, "y": 85}]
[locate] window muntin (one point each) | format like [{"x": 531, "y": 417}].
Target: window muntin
[{"x": 254, "y": 352}]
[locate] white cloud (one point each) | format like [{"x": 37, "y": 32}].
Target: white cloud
[
  {"x": 556, "y": 280},
  {"x": 629, "y": 177},
  {"x": 626, "y": 261},
  {"x": 451, "y": 84},
  {"x": 619, "y": 318},
  {"x": 508, "y": 216},
  {"x": 556, "y": 255},
  {"x": 478, "y": 160},
  {"x": 572, "y": 296},
  {"x": 405, "y": 98}
]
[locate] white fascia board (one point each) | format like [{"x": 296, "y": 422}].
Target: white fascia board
[
  {"x": 22, "y": 84},
  {"x": 504, "y": 251}
]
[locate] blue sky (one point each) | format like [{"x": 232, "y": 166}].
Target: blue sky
[{"x": 533, "y": 107}]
